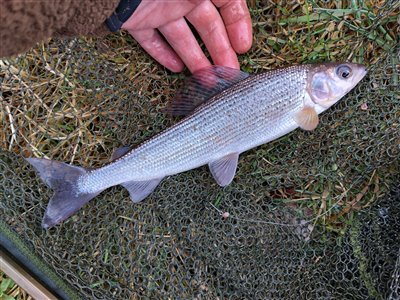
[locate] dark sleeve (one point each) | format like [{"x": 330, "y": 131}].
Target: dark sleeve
[{"x": 24, "y": 22}]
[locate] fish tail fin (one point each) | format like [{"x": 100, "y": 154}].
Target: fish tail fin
[{"x": 63, "y": 179}]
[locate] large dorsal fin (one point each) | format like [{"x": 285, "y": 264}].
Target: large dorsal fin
[{"x": 201, "y": 86}]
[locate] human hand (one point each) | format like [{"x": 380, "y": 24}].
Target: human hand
[{"x": 223, "y": 37}]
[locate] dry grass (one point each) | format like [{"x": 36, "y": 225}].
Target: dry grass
[
  {"x": 77, "y": 101},
  {"x": 10, "y": 291},
  {"x": 50, "y": 113},
  {"x": 48, "y": 109}
]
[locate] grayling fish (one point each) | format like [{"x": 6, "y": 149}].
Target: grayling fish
[{"x": 228, "y": 112}]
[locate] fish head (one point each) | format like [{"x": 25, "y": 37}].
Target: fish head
[{"x": 328, "y": 83}]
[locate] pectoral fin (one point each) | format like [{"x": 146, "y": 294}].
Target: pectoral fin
[
  {"x": 224, "y": 169},
  {"x": 307, "y": 118},
  {"x": 138, "y": 190}
]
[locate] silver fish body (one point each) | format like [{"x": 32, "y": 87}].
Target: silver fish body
[
  {"x": 251, "y": 112},
  {"x": 257, "y": 110}
]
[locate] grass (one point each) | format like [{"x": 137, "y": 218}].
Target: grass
[
  {"x": 62, "y": 119},
  {"x": 61, "y": 104},
  {"x": 49, "y": 110},
  {"x": 320, "y": 33},
  {"x": 11, "y": 291}
]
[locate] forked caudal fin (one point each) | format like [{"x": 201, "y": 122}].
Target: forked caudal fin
[{"x": 63, "y": 179}]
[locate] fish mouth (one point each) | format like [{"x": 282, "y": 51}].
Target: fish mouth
[{"x": 363, "y": 71}]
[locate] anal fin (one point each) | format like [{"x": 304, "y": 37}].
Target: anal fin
[
  {"x": 138, "y": 190},
  {"x": 224, "y": 169}
]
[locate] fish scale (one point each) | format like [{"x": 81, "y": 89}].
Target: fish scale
[
  {"x": 235, "y": 120},
  {"x": 228, "y": 112}
]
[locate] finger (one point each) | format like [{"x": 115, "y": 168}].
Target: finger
[
  {"x": 181, "y": 39},
  {"x": 208, "y": 23},
  {"x": 237, "y": 21},
  {"x": 154, "y": 44}
]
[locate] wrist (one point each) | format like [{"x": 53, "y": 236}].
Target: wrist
[{"x": 122, "y": 13}]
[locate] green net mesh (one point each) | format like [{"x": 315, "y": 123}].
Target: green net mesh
[{"x": 313, "y": 215}]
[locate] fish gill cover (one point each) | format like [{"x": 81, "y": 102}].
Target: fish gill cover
[{"x": 313, "y": 215}]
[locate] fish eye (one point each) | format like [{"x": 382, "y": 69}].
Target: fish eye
[{"x": 343, "y": 72}]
